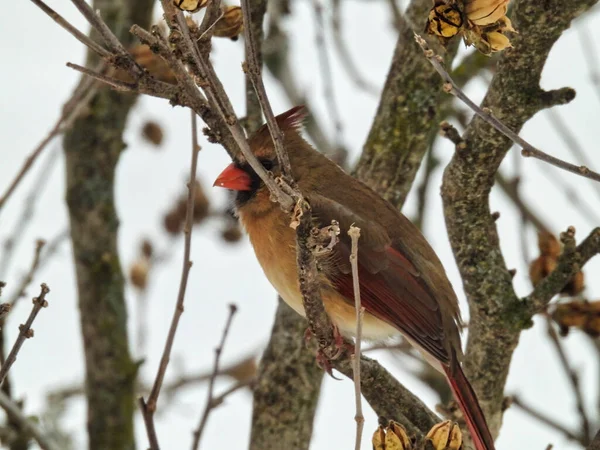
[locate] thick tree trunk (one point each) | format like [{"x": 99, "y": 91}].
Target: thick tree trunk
[{"x": 92, "y": 150}]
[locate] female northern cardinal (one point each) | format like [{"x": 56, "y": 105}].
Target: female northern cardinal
[{"x": 403, "y": 285}]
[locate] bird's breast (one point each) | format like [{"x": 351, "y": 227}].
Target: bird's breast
[{"x": 274, "y": 244}]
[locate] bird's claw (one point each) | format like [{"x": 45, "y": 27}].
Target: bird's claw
[
  {"x": 339, "y": 345},
  {"x": 325, "y": 363}
]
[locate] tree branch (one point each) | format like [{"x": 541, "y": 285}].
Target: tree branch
[{"x": 514, "y": 96}]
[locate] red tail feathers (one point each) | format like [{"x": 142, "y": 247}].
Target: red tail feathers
[{"x": 467, "y": 400}]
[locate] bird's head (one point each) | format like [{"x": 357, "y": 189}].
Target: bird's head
[{"x": 251, "y": 193}]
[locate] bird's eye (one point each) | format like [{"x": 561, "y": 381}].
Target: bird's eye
[{"x": 267, "y": 164}]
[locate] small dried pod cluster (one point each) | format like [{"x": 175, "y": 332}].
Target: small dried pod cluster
[
  {"x": 550, "y": 250},
  {"x": 152, "y": 132},
  {"x": 190, "y": 6},
  {"x": 230, "y": 23},
  {"x": 174, "y": 219},
  {"x": 445, "y": 436},
  {"x": 391, "y": 437},
  {"x": 139, "y": 270},
  {"x": 578, "y": 314},
  {"x": 153, "y": 63},
  {"x": 482, "y": 23}
]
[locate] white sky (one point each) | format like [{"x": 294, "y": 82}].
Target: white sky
[{"x": 35, "y": 83}]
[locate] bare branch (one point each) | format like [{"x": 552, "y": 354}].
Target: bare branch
[
  {"x": 573, "y": 380},
  {"x": 570, "y": 262},
  {"x": 16, "y": 414},
  {"x": 25, "y": 331},
  {"x": 254, "y": 71},
  {"x": 545, "y": 419},
  {"x": 528, "y": 150},
  {"x": 85, "y": 40},
  {"x": 345, "y": 57},
  {"x": 71, "y": 111},
  {"x": 354, "y": 233},
  {"x": 213, "y": 401},
  {"x": 148, "y": 408}
]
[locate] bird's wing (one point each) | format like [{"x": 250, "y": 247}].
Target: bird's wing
[{"x": 390, "y": 285}]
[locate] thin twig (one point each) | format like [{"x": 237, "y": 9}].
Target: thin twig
[
  {"x": 107, "y": 35},
  {"x": 71, "y": 111},
  {"x": 28, "y": 278},
  {"x": 570, "y": 140},
  {"x": 24, "y": 220},
  {"x": 574, "y": 381},
  {"x": 340, "y": 44},
  {"x": 254, "y": 71},
  {"x": 528, "y": 150},
  {"x": 25, "y": 331},
  {"x": 354, "y": 233},
  {"x": 213, "y": 401},
  {"x": 545, "y": 419},
  {"x": 326, "y": 73},
  {"x": 220, "y": 101},
  {"x": 85, "y": 40},
  {"x": 28, "y": 425},
  {"x": 148, "y": 408}
]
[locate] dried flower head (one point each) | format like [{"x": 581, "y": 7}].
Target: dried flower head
[
  {"x": 482, "y": 23},
  {"x": 485, "y": 12},
  {"x": 190, "y": 6},
  {"x": 445, "y": 20},
  {"x": 445, "y": 436},
  {"x": 231, "y": 24},
  {"x": 392, "y": 437}
]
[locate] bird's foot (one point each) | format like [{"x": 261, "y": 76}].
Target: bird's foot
[
  {"x": 339, "y": 347},
  {"x": 325, "y": 363}
]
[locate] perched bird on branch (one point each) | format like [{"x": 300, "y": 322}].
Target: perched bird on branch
[{"x": 403, "y": 285}]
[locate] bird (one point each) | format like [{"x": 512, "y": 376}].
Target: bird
[{"x": 403, "y": 285}]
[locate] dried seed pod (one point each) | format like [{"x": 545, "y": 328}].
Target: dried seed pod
[
  {"x": 444, "y": 20},
  {"x": 579, "y": 314},
  {"x": 138, "y": 273},
  {"x": 172, "y": 222},
  {"x": 575, "y": 286},
  {"x": 147, "y": 249},
  {"x": 445, "y": 436},
  {"x": 190, "y": 6},
  {"x": 152, "y": 132},
  {"x": 485, "y": 12},
  {"x": 231, "y": 24},
  {"x": 232, "y": 234},
  {"x": 393, "y": 437},
  {"x": 541, "y": 267},
  {"x": 396, "y": 437},
  {"x": 497, "y": 41},
  {"x": 153, "y": 63},
  {"x": 378, "y": 439}
]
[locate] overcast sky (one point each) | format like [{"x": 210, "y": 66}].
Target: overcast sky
[{"x": 36, "y": 82}]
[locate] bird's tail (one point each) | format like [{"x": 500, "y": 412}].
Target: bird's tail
[{"x": 469, "y": 405}]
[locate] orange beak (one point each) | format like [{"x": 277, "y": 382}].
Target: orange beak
[{"x": 234, "y": 178}]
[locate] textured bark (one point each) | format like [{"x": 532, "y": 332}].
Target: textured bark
[
  {"x": 497, "y": 315},
  {"x": 253, "y": 119},
  {"x": 388, "y": 398},
  {"x": 92, "y": 150},
  {"x": 407, "y": 113},
  {"x": 288, "y": 386}
]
